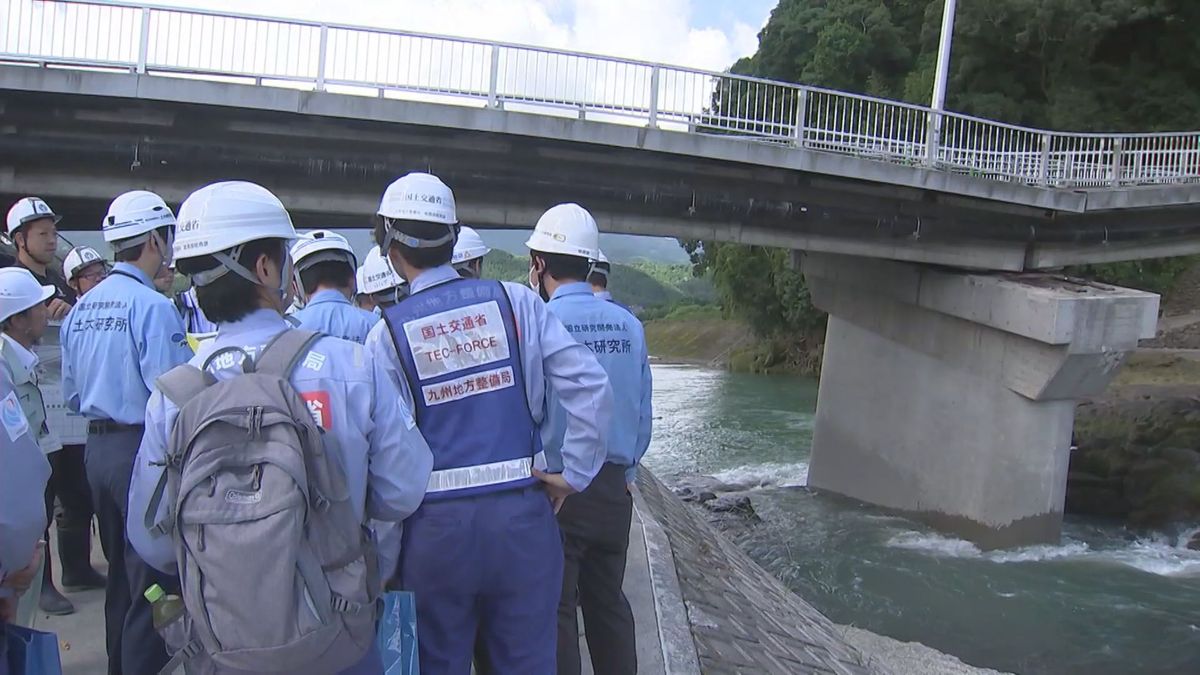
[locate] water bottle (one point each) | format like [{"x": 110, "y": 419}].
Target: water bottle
[{"x": 165, "y": 608}]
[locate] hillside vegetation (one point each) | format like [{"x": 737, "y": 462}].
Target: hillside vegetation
[
  {"x": 1077, "y": 65},
  {"x": 641, "y": 286}
]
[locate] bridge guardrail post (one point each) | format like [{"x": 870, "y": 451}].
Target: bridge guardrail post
[
  {"x": 494, "y": 79},
  {"x": 144, "y": 42},
  {"x": 324, "y": 45},
  {"x": 654, "y": 77},
  {"x": 801, "y": 116},
  {"x": 1116, "y": 161},
  {"x": 1044, "y": 168},
  {"x": 933, "y": 139}
]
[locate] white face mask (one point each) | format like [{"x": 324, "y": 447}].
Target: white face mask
[{"x": 533, "y": 279}]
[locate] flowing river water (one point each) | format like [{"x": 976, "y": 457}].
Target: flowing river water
[{"x": 1105, "y": 600}]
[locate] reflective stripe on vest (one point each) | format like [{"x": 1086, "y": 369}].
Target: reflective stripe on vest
[
  {"x": 483, "y": 475},
  {"x": 460, "y": 350}
]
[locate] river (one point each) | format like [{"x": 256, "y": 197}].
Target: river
[{"x": 1104, "y": 601}]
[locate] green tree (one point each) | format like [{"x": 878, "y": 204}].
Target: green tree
[{"x": 1078, "y": 65}]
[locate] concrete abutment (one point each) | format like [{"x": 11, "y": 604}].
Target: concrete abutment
[{"x": 951, "y": 395}]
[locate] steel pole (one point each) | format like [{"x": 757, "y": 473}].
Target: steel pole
[
  {"x": 933, "y": 143},
  {"x": 943, "y": 62}
]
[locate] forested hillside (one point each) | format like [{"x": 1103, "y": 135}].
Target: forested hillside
[
  {"x": 1078, "y": 65},
  {"x": 643, "y": 285}
]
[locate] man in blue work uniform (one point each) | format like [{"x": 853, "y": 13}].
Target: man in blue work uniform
[
  {"x": 115, "y": 342},
  {"x": 325, "y": 267},
  {"x": 22, "y": 512},
  {"x": 235, "y": 247},
  {"x": 595, "y": 523},
  {"x": 483, "y": 554}
]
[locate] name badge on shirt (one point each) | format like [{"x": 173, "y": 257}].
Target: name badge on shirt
[{"x": 457, "y": 339}]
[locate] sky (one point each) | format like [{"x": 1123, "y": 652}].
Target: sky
[{"x": 705, "y": 34}]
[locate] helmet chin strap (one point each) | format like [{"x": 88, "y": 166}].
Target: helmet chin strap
[{"x": 229, "y": 263}]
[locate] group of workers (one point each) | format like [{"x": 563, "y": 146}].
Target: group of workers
[{"x": 486, "y": 435}]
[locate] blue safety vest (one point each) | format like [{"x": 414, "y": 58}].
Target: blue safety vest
[{"x": 460, "y": 347}]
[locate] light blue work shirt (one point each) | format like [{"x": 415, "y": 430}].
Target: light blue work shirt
[
  {"x": 329, "y": 312},
  {"x": 386, "y": 460},
  {"x": 23, "y": 475},
  {"x": 116, "y": 341},
  {"x": 616, "y": 337},
  {"x": 548, "y": 355}
]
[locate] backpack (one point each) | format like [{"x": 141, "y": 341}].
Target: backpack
[{"x": 278, "y": 573}]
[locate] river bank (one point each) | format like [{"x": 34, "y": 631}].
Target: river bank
[{"x": 706, "y": 338}]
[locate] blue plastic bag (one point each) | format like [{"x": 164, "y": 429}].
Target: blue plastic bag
[
  {"x": 398, "y": 634},
  {"x": 31, "y": 652}
]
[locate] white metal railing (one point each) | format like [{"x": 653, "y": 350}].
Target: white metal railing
[{"x": 389, "y": 63}]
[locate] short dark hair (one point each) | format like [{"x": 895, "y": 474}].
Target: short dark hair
[
  {"x": 231, "y": 297},
  {"x": 599, "y": 277},
  {"x": 564, "y": 267},
  {"x": 420, "y": 258},
  {"x": 134, "y": 252},
  {"x": 327, "y": 273}
]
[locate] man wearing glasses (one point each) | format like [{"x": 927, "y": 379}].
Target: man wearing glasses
[{"x": 83, "y": 268}]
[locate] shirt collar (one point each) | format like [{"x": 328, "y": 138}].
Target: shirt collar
[
  {"x": 256, "y": 320},
  {"x": 327, "y": 295},
  {"x": 133, "y": 271},
  {"x": 573, "y": 288},
  {"x": 432, "y": 277},
  {"x": 26, "y": 358}
]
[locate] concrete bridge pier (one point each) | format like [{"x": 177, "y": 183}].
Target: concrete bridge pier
[{"x": 951, "y": 395}]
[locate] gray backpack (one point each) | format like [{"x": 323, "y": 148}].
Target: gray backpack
[{"x": 278, "y": 573}]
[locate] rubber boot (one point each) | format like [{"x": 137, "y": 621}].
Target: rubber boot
[
  {"x": 75, "y": 554},
  {"x": 51, "y": 601}
]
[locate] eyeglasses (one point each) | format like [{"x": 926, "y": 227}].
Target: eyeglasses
[{"x": 98, "y": 275}]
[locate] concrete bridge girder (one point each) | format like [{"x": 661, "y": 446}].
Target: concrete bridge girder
[
  {"x": 952, "y": 395},
  {"x": 512, "y": 165}
]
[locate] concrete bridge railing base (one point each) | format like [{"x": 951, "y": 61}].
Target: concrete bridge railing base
[{"x": 952, "y": 395}]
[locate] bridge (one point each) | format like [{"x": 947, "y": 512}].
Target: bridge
[{"x": 952, "y": 360}]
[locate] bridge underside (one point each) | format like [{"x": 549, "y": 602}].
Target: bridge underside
[{"x": 79, "y": 138}]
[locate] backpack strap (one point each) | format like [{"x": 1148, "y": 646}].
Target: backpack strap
[
  {"x": 183, "y": 383},
  {"x": 284, "y": 351}
]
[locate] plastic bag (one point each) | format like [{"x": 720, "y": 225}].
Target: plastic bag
[
  {"x": 398, "y": 634},
  {"x": 31, "y": 652}
]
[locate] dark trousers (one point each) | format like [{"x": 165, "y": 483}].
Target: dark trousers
[
  {"x": 485, "y": 572},
  {"x": 134, "y": 648},
  {"x": 69, "y": 485},
  {"x": 595, "y": 526}
]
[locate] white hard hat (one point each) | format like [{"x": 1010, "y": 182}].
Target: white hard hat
[
  {"x": 218, "y": 219},
  {"x": 223, "y": 215},
  {"x": 20, "y": 290},
  {"x": 321, "y": 246},
  {"x": 602, "y": 259},
  {"x": 27, "y": 210},
  {"x": 567, "y": 229},
  {"x": 79, "y": 258},
  {"x": 469, "y": 246},
  {"x": 419, "y": 196},
  {"x": 376, "y": 274},
  {"x": 132, "y": 215}
]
